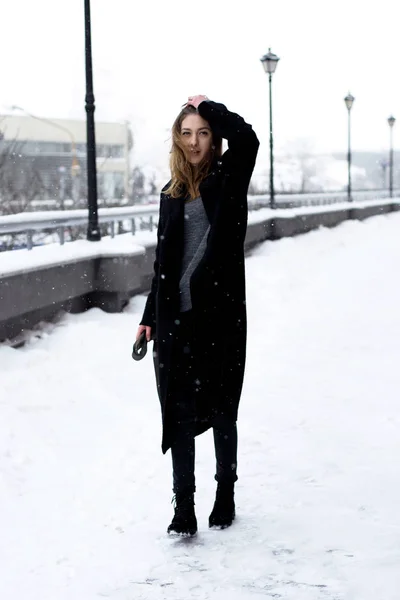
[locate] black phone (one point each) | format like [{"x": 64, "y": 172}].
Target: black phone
[{"x": 139, "y": 349}]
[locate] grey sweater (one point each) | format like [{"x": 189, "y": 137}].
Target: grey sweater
[{"x": 195, "y": 232}]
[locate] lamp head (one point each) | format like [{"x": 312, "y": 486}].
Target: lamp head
[
  {"x": 269, "y": 62},
  {"x": 349, "y": 101}
]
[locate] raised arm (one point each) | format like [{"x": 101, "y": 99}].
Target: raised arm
[{"x": 242, "y": 140}]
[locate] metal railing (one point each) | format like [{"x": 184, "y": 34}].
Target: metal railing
[
  {"x": 29, "y": 223},
  {"x": 316, "y": 198},
  {"x": 58, "y": 221}
]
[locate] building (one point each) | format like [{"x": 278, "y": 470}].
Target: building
[{"x": 56, "y": 150}]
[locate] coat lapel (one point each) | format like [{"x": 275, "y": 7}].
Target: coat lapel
[
  {"x": 209, "y": 190},
  {"x": 173, "y": 243},
  {"x": 174, "y": 212},
  {"x": 208, "y": 199}
]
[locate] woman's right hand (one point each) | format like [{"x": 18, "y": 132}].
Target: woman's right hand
[
  {"x": 146, "y": 329},
  {"x": 196, "y": 100}
]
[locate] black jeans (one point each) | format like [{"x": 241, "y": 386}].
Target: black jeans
[{"x": 182, "y": 397}]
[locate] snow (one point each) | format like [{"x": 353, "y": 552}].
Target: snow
[
  {"x": 257, "y": 216},
  {"x": 53, "y": 217},
  {"x": 85, "y": 490},
  {"x": 126, "y": 244}
]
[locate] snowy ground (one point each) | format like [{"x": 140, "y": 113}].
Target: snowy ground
[{"x": 85, "y": 491}]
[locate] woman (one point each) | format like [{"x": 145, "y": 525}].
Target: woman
[{"x": 196, "y": 309}]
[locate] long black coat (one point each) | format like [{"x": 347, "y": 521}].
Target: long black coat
[{"x": 218, "y": 283}]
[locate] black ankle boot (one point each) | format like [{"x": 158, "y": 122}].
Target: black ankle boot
[
  {"x": 223, "y": 513},
  {"x": 184, "y": 521}
]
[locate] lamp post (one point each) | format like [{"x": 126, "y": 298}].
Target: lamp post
[
  {"x": 383, "y": 163},
  {"x": 349, "y": 103},
  {"x": 391, "y": 121},
  {"x": 269, "y": 62},
  {"x": 93, "y": 231}
]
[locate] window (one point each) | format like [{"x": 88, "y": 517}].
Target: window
[
  {"x": 29, "y": 148},
  {"x": 81, "y": 148},
  {"x": 33, "y": 147},
  {"x": 110, "y": 151},
  {"x": 117, "y": 151}
]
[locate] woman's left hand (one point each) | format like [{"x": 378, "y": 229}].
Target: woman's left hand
[{"x": 196, "y": 100}]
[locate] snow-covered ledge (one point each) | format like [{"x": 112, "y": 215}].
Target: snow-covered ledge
[{"x": 35, "y": 285}]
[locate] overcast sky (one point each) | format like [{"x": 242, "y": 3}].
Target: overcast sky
[{"x": 149, "y": 56}]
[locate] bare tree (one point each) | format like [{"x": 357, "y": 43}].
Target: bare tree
[
  {"x": 138, "y": 179},
  {"x": 153, "y": 186},
  {"x": 302, "y": 160},
  {"x": 20, "y": 185},
  {"x": 256, "y": 188}
]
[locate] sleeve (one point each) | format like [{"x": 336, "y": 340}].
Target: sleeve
[
  {"x": 242, "y": 141},
  {"x": 149, "y": 314}
]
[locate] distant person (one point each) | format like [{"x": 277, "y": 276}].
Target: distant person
[{"x": 196, "y": 309}]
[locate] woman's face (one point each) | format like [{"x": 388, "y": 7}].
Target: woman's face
[{"x": 196, "y": 138}]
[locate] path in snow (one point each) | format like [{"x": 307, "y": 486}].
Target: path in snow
[{"x": 85, "y": 491}]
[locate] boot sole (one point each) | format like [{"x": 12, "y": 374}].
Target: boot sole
[
  {"x": 221, "y": 525},
  {"x": 183, "y": 534}
]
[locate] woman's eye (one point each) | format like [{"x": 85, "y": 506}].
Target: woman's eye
[
  {"x": 204, "y": 133},
  {"x": 185, "y": 133}
]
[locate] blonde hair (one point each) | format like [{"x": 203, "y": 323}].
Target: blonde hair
[{"x": 185, "y": 177}]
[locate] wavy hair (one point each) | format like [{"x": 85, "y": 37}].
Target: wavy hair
[{"x": 185, "y": 177}]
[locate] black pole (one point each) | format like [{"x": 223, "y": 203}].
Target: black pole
[
  {"x": 349, "y": 198},
  {"x": 93, "y": 231},
  {"x": 271, "y": 149},
  {"x": 391, "y": 164}
]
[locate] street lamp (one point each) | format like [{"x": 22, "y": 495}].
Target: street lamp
[
  {"x": 269, "y": 62},
  {"x": 349, "y": 103},
  {"x": 391, "y": 121},
  {"x": 93, "y": 231},
  {"x": 383, "y": 163}
]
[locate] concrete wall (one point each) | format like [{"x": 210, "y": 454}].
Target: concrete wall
[{"x": 109, "y": 282}]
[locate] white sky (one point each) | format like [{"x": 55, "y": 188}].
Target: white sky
[{"x": 149, "y": 56}]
